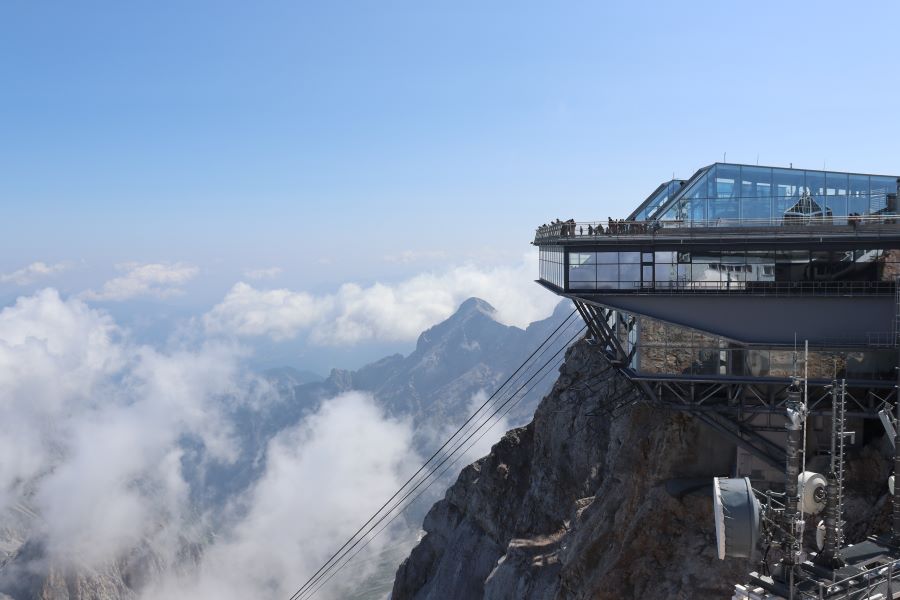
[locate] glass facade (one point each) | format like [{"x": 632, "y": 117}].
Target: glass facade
[
  {"x": 606, "y": 270},
  {"x": 728, "y": 195},
  {"x": 650, "y": 207},
  {"x": 552, "y": 265},
  {"x": 726, "y": 269}
]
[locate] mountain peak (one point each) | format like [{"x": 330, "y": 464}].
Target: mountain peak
[
  {"x": 474, "y": 304},
  {"x": 471, "y": 316}
]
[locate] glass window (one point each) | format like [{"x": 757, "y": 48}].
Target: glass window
[
  {"x": 629, "y": 257},
  {"x": 665, "y": 257},
  {"x": 629, "y": 275},
  {"x": 582, "y": 285},
  {"x": 724, "y": 191},
  {"x": 815, "y": 187},
  {"x": 858, "y": 201},
  {"x": 665, "y": 273},
  {"x": 723, "y": 182},
  {"x": 791, "y": 265},
  {"x": 756, "y": 193},
  {"x": 582, "y": 258},
  {"x": 608, "y": 272},
  {"x": 607, "y": 258},
  {"x": 836, "y": 186},
  {"x": 582, "y": 273},
  {"x": 691, "y": 203},
  {"x": 788, "y": 185},
  {"x": 882, "y": 194}
]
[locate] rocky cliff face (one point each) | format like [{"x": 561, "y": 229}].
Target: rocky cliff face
[{"x": 575, "y": 504}]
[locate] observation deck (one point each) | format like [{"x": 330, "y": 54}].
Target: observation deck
[{"x": 701, "y": 296}]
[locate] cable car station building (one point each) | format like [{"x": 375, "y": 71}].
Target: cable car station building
[{"x": 702, "y": 296}]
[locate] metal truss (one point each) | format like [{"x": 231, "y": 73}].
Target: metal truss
[{"x": 727, "y": 404}]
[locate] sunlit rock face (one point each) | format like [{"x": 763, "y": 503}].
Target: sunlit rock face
[{"x": 574, "y": 505}]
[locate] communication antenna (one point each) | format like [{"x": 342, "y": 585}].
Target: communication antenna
[{"x": 737, "y": 514}]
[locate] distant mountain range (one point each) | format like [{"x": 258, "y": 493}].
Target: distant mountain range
[{"x": 468, "y": 353}]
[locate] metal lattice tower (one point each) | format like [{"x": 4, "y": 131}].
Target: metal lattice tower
[{"x": 834, "y": 523}]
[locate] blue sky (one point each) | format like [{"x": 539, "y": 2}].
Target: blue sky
[{"x": 329, "y": 139}]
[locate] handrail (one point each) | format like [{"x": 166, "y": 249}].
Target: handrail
[
  {"x": 868, "y": 577},
  {"x": 598, "y": 229},
  {"x": 735, "y": 287}
]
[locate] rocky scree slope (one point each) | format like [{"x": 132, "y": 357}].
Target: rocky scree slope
[{"x": 574, "y": 505}]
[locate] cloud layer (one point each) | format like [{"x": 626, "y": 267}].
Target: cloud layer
[
  {"x": 159, "y": 280},
  {"x": 324, "y": 479},
  {"x": 98, "y": 433},
  {"x": 34, "y": 272},
  {"x": 381, "y": 311},
  {"x": 267, "y": 273},
  {"x": 91, "y": 424}
]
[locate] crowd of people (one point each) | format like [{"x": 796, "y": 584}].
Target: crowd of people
[{"x": 570, "y": 228}]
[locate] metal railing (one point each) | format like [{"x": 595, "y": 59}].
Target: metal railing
[
  {"x": 599, "y": 229},
  {"x": 876, "y": 579},
  {"x": 752, "y": 288}
]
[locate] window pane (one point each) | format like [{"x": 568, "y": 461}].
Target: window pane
[
  {"x": 582, "y": 285},
  {"x": 726, "y": 182},
  {"x": 836, "y": 197},
  {"x": 883, "y": 191},
  {"x": 582, "y": 258},
  {"x": 691, "y": 205},
  {"x": 756, "y": 193},
  {"x": 607, "y": 272},
  {"x": 858, "y": 202},
  {"x": 665, "y": 257},
  {"x": 629, "y": 257},
  {"x": 815, "y": 187},
  {"x": 582, "y": 273},
  {"x": 664, "y": 274},
  {"x": 787, "y": 184},
  {"x": 629, "y": 275},
  {"x": 607, "y": 257}
]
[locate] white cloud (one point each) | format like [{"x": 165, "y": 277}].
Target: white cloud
[
  {"x": 381, "y": 311},
  {"x": 92, "y": 443},
  {"x": 410, "y": 256},
  {"x": 267, "y": 273},
  {"x": 152, "y": 279},
  {"x": 33, "y": 272},
  {"x": 91, "y": 425},
  {"x": 324, "y": 479},
  {"x": 280, "y": 314}
]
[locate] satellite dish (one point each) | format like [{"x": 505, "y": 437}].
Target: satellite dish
[
  {"x": 812, "y": 490},
  {"x": 736, "y": 511},
  {"x": 891, "y": 484},
  {"x": 820, "y": 535}
]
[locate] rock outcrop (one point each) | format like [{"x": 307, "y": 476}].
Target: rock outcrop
[{"x": 575, "y": 504}]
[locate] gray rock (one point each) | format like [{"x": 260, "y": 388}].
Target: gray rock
[{"x": 574, "y": 505}]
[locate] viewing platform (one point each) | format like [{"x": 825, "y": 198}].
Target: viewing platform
[
  {"x": 701, "y": 296},
  {"x": 745, "y": 259},
  {"x": 624, "y": 232}
]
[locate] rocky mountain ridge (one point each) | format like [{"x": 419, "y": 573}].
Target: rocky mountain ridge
[{"x": 575, "y": 505}]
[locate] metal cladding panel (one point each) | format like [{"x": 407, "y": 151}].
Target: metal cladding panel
[{"x": 764, "y": 320}]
